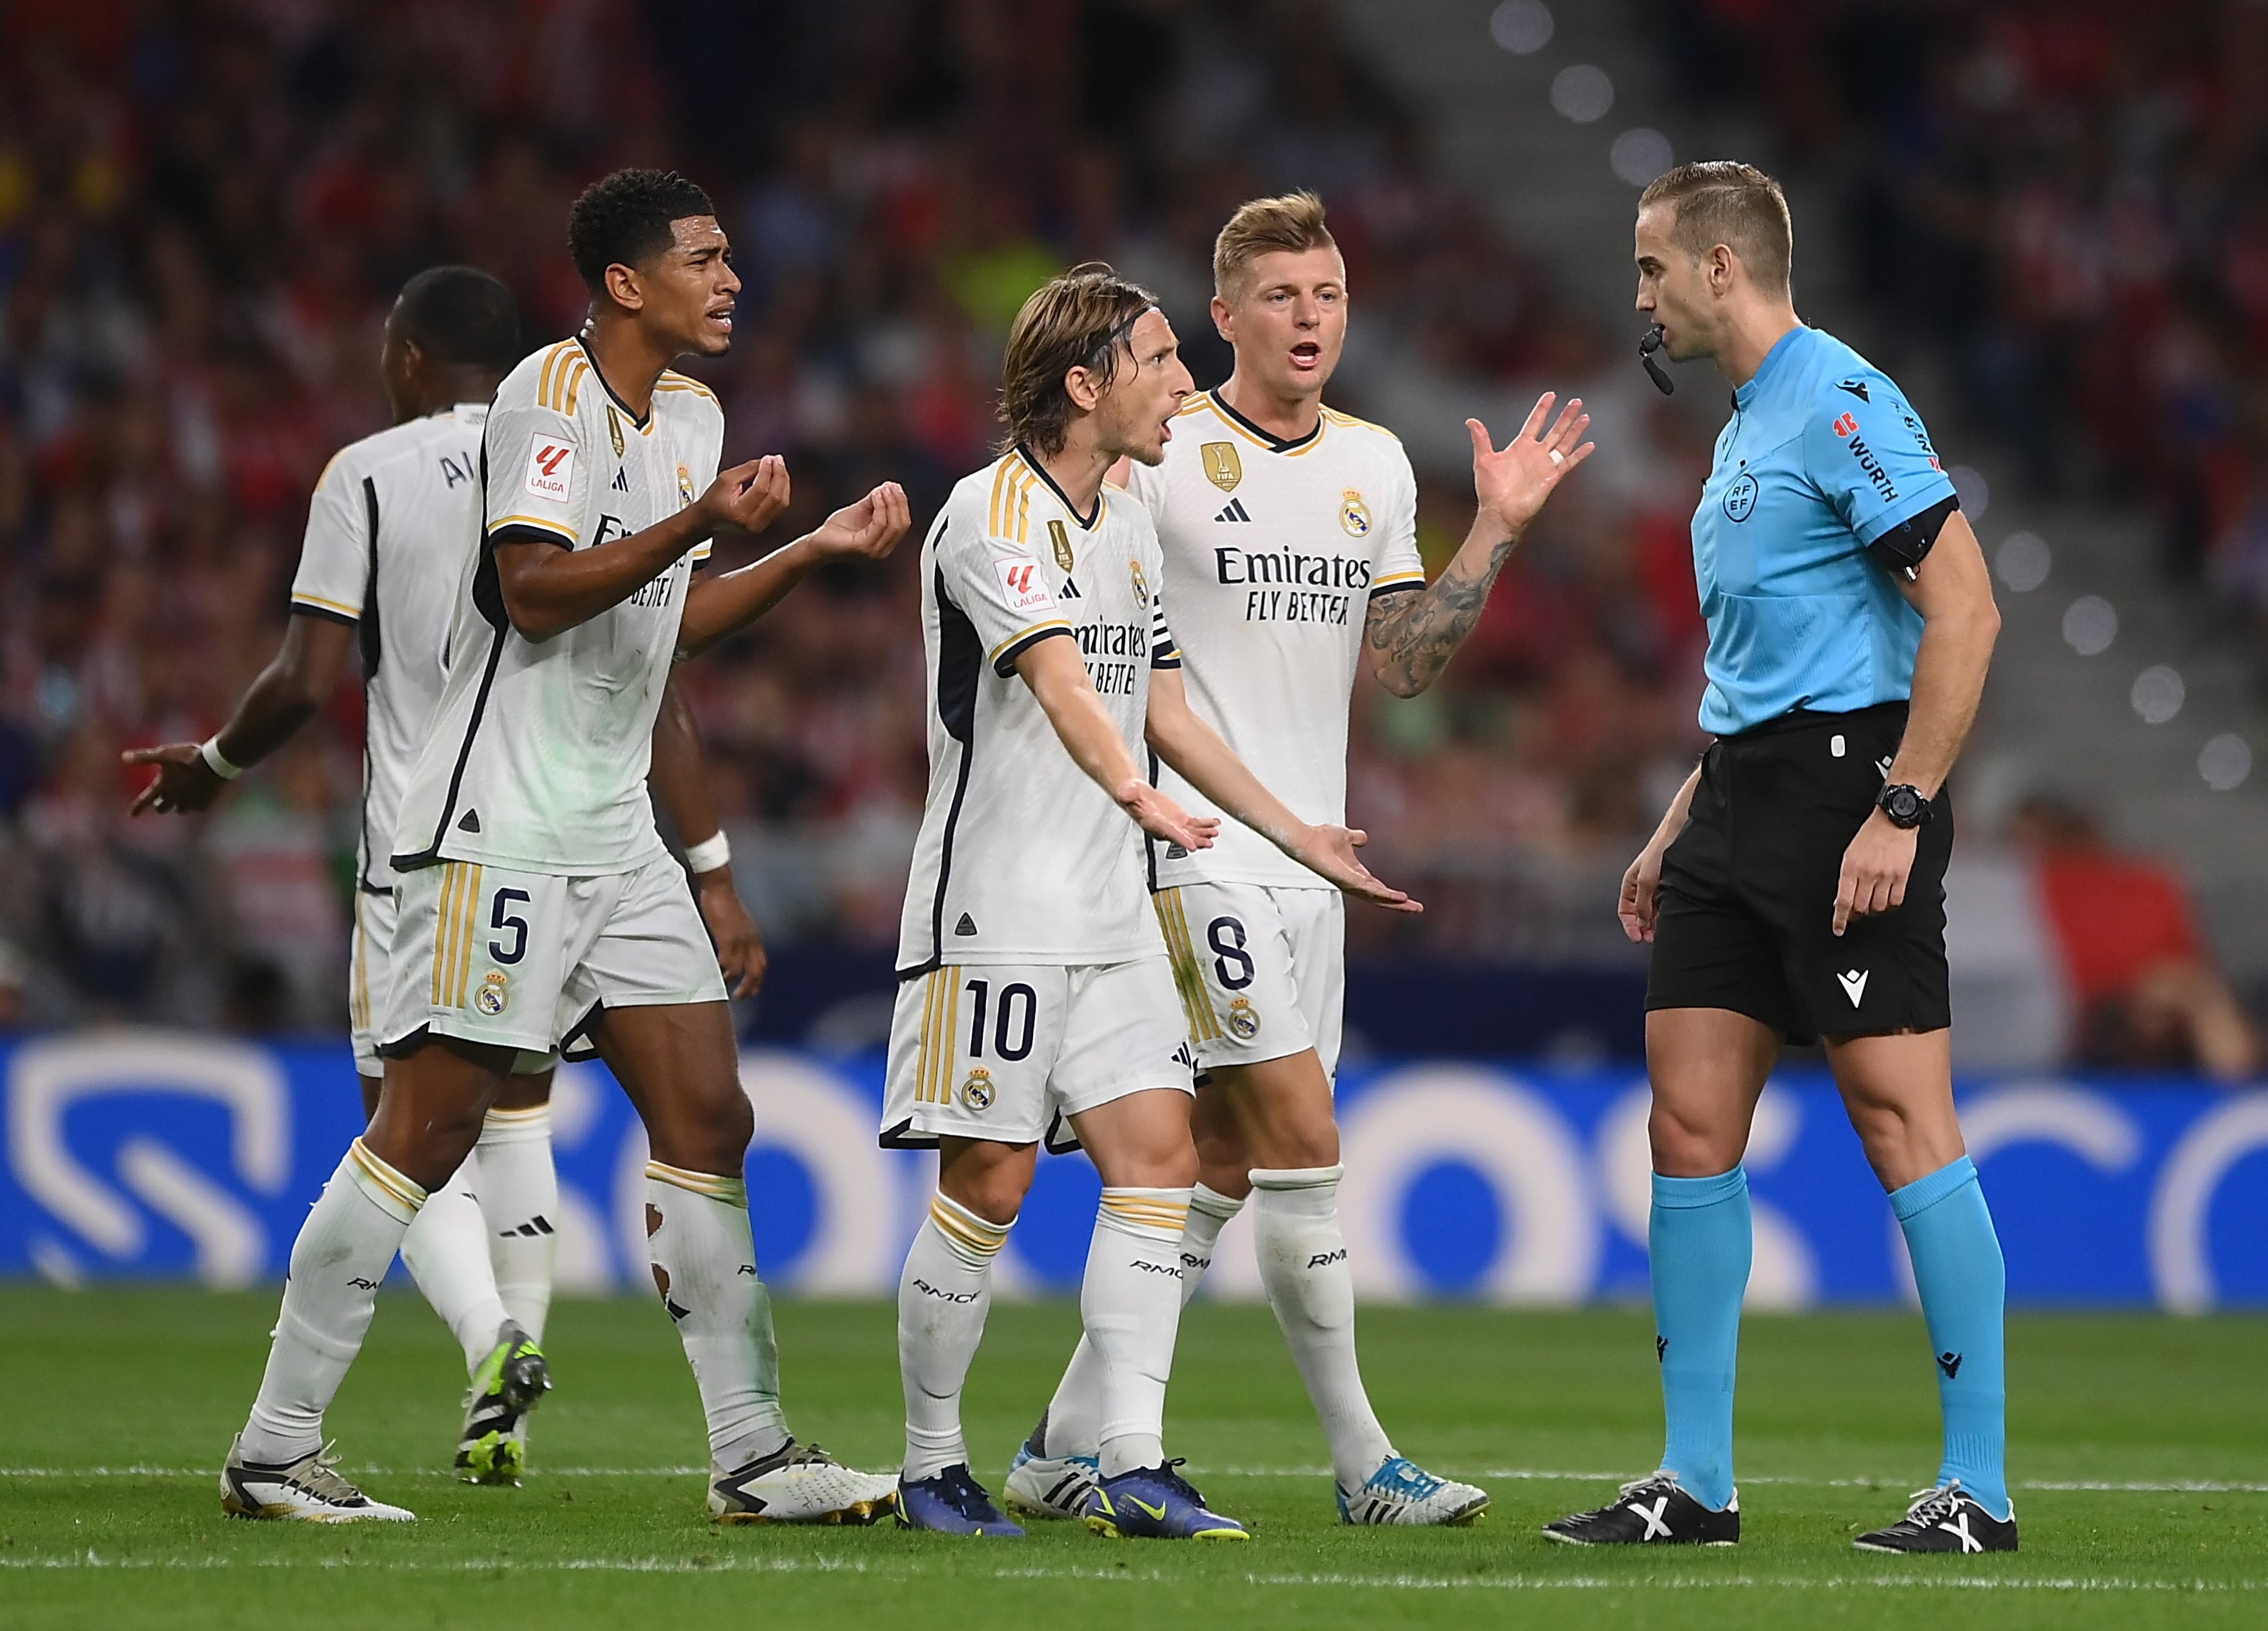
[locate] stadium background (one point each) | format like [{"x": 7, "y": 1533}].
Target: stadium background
[{"x": 2046, "y": 220}]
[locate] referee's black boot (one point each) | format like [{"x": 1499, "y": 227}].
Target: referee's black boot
[
  {"x": 1947, "y": 1518},
  {"x": 1654, "y": 1510}
]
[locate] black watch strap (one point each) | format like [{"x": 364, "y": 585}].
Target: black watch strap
[{"x": 1903, "y": 804}]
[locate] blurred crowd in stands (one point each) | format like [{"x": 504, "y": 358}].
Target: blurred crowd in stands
[
  {"x": 204, "y": 212},
  {"x": 206, "y": 206},
  {"x": 2070, "y": 197}
]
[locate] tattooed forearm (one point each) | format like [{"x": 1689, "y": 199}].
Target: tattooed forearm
[{"x": 1413, "y": 636}]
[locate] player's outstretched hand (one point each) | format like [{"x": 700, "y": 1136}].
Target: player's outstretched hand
[
  {"x": 1329, "y": 850},
  {"x": 739, "y": 944},
  {"x": 1515, "y": 480},
  {"x": 870, "y": 529},
  {"x": 1161, "y": 818},
  {"x": 1641, "y": 895},
  {"x": 748, "y": 498},
  {"x": 184, "y": 783},
  {"x": 1875, "y": 868}
]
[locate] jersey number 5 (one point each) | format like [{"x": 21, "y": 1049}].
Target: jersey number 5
[{"x": 499, "y": 919}]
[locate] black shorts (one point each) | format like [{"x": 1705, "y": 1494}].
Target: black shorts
[{"x": 1747, "y": 909}]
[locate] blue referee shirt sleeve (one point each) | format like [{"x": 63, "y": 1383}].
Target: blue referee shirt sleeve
[{"x": 1871, "y": 456}]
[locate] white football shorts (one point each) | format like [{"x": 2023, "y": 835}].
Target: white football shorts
[
  {"x": 368, "y": 963},
  {"x": 1010, "y": 1052},
  {"x": 526, "y": 960},
  {"x": 1262, "y": 972}
]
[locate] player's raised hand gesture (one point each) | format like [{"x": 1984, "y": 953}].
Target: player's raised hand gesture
[
  {"x": 1330, "y": 852},
  {"x": 870, "y": 529},
  {"x": 1516, "y": 480},
  {"x": 1161, "y": 818},
  {"x": 748, "y": 498},
  {"x": 184, "y": 784}
]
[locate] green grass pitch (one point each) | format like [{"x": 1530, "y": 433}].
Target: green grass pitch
[{"x": 2139, "y": 1449}]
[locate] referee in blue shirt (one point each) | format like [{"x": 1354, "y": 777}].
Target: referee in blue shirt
[{"x": 1795, "y": 890}]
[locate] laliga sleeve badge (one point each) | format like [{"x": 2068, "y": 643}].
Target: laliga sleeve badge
[
  {"x": 1243, "y": 1023},
  {"x": 1354, "y": 515},
  {"x": 976, "y": 1092},
  {"x": 495, "y": 994}
]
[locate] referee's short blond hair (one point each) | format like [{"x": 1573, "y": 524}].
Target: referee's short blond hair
[
  {"x": 1291, "y": 224},
  {"x": 1720, "y": 202}
]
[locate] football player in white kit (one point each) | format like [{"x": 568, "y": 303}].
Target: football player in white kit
[
  {"x": 537, "y": 900},
  {"x": 1035, "y": 993},
  {"x": 1289, "y": 533},
  {"x": 388, "y": 527}
]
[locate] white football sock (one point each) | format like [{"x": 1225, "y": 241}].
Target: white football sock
[
  {"x": 342, "y": 1252},
  {"x": 447, "y": 1252},
  {"x": 1073, "y": 1424},
  {"x": 1130, "y": 1301},
  {"x": 519, "y": 1199},
  {"x": 1303, "y": 1265},
  {"x": 943, "y": 1297},
  {"x": 705, "y": 1265}
]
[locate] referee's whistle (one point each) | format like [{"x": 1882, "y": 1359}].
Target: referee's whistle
[{"x": 1646, "y": 348}]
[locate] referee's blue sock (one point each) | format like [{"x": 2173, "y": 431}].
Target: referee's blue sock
[
  {"x": 1700, "y": 1240},
  {"x": 1963, "y": 1282}
]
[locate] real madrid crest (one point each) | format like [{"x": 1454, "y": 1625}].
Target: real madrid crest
[
  {"x": 976, "y": 1092},
  {"x": 1141, "y": 584},
  {"x": 1243, "y": 1023},
  {"x": 684, "y": 484},
  {"x": 1354, "y": 515},
  {"x": 1061, "y": 539},
  {"x": 614, "y": 429},
  {"x": 495, "y": 994},
  {"x": 1222, "y": 467}
]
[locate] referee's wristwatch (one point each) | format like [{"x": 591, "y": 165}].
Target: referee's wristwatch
[{"x": 1903, "y": 804}]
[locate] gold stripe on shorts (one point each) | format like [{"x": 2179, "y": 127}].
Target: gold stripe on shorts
[
  {"x": 467, "y": 933},
  {"x": 1188, "y": 974}
]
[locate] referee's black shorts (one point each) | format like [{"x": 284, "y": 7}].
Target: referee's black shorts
[{"x": 1747, "y": 910}]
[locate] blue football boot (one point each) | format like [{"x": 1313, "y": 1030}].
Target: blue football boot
[
  {"x": 952, "y": 1502},
  {"x": 1156, "y": 1503}
]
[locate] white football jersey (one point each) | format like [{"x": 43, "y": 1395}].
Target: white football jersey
[
  {"x": 1273, "y": 551},
  {"x": 391, "y": 523},
  {"x": 537, "y": 758},
  {"x": 1022, "y": 857}
]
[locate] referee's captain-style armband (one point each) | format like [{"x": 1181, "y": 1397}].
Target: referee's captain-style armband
[{"x": 1901, "y": 549}]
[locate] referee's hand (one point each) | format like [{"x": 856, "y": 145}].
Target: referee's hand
[
  {"x": 1875, "y": 869},
  {"x": 1641, "y": 893}
]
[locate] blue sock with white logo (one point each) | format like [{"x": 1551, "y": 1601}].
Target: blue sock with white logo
[
  {"x": 1964, "y": 1282},
  {"x": 1701, "y": 1239}
]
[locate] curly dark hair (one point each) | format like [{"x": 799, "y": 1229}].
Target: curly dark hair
[{"x": 623, "y": 219}]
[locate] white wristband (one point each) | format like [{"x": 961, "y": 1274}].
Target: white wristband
[
  {"x": 210, "y": 753},
  {"x": 708, "y": 855}
]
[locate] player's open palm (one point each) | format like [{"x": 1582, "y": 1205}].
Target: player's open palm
[
  {"x": 868, "y": 529},
  {"x": 748, "y": 497},
  {"x": 184, "y": 784},
  {"x": 1330, "y": 852},
  {"x": 1161, "y": 818},
  {"x": 1516, "y": 479}
]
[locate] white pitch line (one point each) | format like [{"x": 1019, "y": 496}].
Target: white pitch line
[
  {"x": 2131, "y": 1487},
  {"x": 907, "y": 1568}
]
